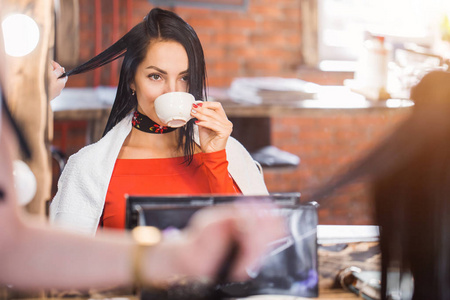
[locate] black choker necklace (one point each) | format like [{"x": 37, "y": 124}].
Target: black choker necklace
[{"x": 145, "y": 124}]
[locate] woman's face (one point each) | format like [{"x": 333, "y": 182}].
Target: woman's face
[{"x": 164, "y": 69}]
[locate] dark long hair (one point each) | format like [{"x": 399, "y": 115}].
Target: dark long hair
[
  {"x": 159, "y": 24},
  {"x": 409, "y": 174}
]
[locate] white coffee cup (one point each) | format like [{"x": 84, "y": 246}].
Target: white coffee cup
[{"x": 174, "y": 108}]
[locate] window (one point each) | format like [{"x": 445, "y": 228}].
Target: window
[{"x": 342, "y": 25}]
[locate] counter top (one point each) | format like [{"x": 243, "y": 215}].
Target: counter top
[
  {"x": 83, "y": 103},
  {"x": 91, "y": 103},
  {"x": 328, "y": 98}
]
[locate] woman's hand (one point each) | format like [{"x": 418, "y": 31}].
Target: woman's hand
[
  {"x": 213, "y": 126},
  {"x": 199, "y": 251},
  {"x": 56, "y": 84}
]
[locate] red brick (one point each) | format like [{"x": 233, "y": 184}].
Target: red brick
[
  {"x": 244, "y": 51},
  {"x": 285, "y": 137},
  {"x": 307, "y": 136},
  {"x": 266, "y": 66},
  {"x": 214, "y": 54},
  {"x": 292, "y": 12},
  {"x": 219, "y": 81},
  {"x": 225, "y": 66},
  {"x": 242, "y": 24},
  {"x": 293, "y": 40},
  {"x": 266, "y": 11},
  {"x": 230, "y": 38},
  {"x": 184, "y": 11},
  {"x": 276, "y": 27},
  {"x": 266, "y": 40},
  {"x": 205, "y": 38},
  {"x": 278, "y": 53},
  {"x": 208, "y": 22},
  {"x": 263, "y": 2}
]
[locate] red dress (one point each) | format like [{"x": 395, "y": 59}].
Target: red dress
[{"x": 207, "y": 174}]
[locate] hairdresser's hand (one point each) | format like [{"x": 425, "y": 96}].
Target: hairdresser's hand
[
  {"x": 200, "y": 250},
  {"x": 55, "y": 85},
  {"x": 434, "y": 88},
  {"x": 213, "y": 126}
]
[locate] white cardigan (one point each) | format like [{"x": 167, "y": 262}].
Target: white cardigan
[{"x": 82, "y": 187}]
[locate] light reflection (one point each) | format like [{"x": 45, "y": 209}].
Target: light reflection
[
  {"x": 394, "y": 103},
  {"x": 342, "y": 97},
  {"x": 337, "y": 97},
  {"x": 21, "y": 35}
]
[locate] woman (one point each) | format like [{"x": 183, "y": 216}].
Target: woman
[
  {"x": 161, "y": 54},
  {"x": 410, "y": 178}
]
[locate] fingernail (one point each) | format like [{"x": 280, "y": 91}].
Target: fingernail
[
  {"x": 194, "y": 105},
  {"x": 200, "y": 104},
  {"x": 194, "y": 111},
  {"x": 197, "y": 121}
]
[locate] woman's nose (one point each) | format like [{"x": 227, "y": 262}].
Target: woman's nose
[
  {"x": 170, "y": 87},
  {"x": 174, "y": 87}
]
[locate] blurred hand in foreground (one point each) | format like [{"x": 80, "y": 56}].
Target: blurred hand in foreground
[{"x": 200, "y": 250}]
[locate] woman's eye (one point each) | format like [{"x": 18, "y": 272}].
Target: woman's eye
[
  {"x": 185, "y": 78},
  {"x": 154, "y": 76}
]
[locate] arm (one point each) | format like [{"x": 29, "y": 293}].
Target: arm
[
  {"x": 220, "y": 181},
  {"x": 33, "y": 255}
]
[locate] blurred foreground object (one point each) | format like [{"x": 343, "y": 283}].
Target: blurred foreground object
[{"x": 26, "y": 91}]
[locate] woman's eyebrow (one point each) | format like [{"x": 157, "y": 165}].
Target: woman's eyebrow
[
  {"x": 165, "y": 72},
  {"x": 157, "y": 69}
]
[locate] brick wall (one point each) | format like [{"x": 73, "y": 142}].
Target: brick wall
[
  {"x": 265, "y": 40},
  {"x": 262, "y": 41},
  {"x": 327, "y": 141}
]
